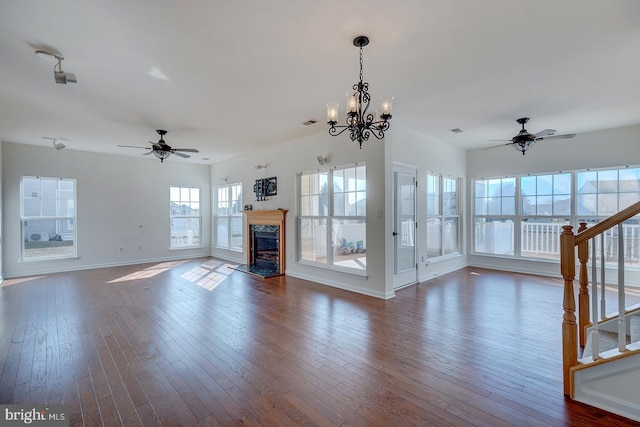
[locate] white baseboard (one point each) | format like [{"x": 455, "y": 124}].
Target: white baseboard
[
  {"x": 356, "y": 289},
  {"x": 68, "y": 267}
]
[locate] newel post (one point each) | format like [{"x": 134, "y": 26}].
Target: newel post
[
  {"x": 583, "y": 296},
  {"x": 569, "y": 328}
]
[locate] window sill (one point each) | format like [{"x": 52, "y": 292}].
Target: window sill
[
  {"x": 443, "y": 258},
  {"x": 180, "y": 248},
  {"x": 229, "y": 249},
  {"x": 67, "y": 258},
  {"x": 334, "y": 269}
]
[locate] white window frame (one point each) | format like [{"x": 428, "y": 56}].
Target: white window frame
[
  {"x": 552, "y": 220},
  {"x": 231, "y": 213},
  {"x": 70, "y": 217},
  {"x": 436, "y": 210},
  {"x": 330, "y": 217},
  {"x": 177, "y": 240}
]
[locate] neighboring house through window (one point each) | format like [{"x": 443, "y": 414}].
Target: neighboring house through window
[
  {"x": 332, "y": 222},
  {"x": 228, "y": 217},
  {"x": 48, "y": 216},
  {"x": 185, "y": 217}
]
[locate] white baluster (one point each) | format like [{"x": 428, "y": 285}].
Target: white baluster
[
  {"x": 595, "y": 335},
  {"x": 622, "y": 327},
  {"x": 603, "y": 300}
]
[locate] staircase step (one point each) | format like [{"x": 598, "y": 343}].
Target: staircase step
[{"x": 609, "y": 340}]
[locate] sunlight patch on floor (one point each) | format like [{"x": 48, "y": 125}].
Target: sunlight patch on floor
[
  {"x": 154, "y": 270},
  {"x": 11, "y": 282},
  {"x": 209, "y": 275}
]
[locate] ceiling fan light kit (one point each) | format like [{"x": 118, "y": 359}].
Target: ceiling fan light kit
[
  {"x": 360, "y": 122},
  {"x": 162, "y": 150}
]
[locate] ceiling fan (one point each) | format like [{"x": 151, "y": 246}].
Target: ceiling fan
[
  {"x": 525, "y": 140},
  {"x": 162, "y": 150}
]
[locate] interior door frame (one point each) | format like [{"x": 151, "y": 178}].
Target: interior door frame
[{"x": 410, "y": 276}]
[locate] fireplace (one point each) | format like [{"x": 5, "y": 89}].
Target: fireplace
[{"x": 265, "y": 246}]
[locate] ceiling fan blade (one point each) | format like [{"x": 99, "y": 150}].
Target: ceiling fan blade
[
  {"x": 496, "y": 146},
  {"x": 188, "y": 150},
  {"x": 148, "y": 152},
  {"x": 567, "y": 136},
  {"x": 185, "y": 156},
  {"x": 545, "y": 132},
  {"x": 498, "y": 140},
  {"x": 134, "y": 146}
]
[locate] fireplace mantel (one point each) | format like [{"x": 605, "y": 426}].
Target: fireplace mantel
[{"x": 268, "y": 217}]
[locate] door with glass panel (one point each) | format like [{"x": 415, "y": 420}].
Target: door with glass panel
[{"x": 404, "y": 223}]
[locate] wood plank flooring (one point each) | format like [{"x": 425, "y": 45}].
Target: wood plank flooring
[{"x": 195, "y": 343}]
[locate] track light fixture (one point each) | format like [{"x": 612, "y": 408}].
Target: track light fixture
[
  {"x": 60, "y": 76},
  {"x": 361, "y": 123},
  {"x": 57, "y": 145}
]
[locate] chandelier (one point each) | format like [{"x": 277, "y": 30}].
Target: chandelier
[{"x": 360, "y": 122}]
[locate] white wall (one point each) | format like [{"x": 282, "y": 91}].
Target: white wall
[
  {"x": 430, "y": 156},
  {"x": 401, "y": 145},
  {"x": 284, "y": 162},
  {"x": 609, "y": 148},
  {"x": 115, "y": 194}
]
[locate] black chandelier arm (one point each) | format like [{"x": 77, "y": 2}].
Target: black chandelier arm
[
  {"x": 377, "y": 132},
  {"x": 381, "y": 125},
  {"x": 333, "y": 130}
]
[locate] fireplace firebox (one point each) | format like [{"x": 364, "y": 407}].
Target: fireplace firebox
[{"x": 264, "y": 246}]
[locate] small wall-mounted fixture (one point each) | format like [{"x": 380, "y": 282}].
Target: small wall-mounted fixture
[
  {"x": 321, "y": 160},
  {"x": 258, "y": 167},
  {"x": 57, "y": 145},
  {"x": 60, "y": 76}
]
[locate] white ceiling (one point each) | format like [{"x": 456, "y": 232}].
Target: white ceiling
[{"x": 242, "y": 75}]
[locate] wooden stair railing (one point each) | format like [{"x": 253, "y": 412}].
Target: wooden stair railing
[{"x": 568, "y": 242}]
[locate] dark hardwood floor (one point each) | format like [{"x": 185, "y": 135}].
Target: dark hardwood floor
[{"x": 196, "y": 343}]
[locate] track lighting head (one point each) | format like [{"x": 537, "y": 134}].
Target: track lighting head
[
  {"x": 57, "y": 145},
  {"x": 60, "y": 76}
]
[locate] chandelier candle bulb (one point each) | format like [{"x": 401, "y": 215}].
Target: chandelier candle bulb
[
  {"x": 386, "y": 103},
  {"x": 332, "y": 112},
  {"x": 352, "y": 102}
]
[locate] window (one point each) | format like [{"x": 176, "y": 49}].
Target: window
[
  {"x": 443, "y": 220},
  {"x": 228, "y": 217},
  {"x": 185, "y": 217},
  {"x": 546, "y": 207},
  {"x": 332, "y": 222},
  {"x": 538, "y": 206},
  {"x": 48, "y": 216},
  {"x": 495, "y": 208}
]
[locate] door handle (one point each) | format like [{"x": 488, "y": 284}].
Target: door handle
[{"x": 395, "y": 234}]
